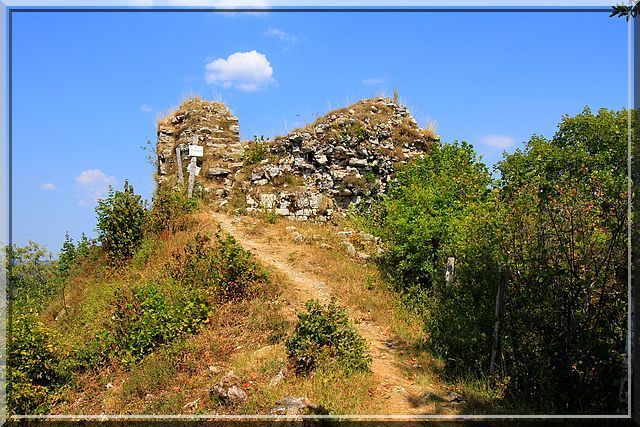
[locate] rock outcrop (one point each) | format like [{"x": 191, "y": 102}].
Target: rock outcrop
[{"x": 341, "y": 160}]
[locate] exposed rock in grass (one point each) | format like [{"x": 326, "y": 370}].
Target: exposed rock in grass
[
  {"x": 290, "y": 405},
  {"x": 349, "y": 248},
  {"x": 227, "y": 390}
]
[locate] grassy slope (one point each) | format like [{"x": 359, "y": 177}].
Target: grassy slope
[
  {"x": 358, "y": 285},
  {"x": 246, "y": 337}
]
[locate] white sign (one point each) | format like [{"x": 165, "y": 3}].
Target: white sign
[{"x": 196, "y": 150}]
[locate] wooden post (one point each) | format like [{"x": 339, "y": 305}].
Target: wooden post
[
  {"x": 179, "y": 160},
  {"x": 192, "y": 175},
  {"x": 451, "y": 269},
  {"x": 495, "y": 347}
]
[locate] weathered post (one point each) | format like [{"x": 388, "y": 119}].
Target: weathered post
[
  {"x": 194, "y": 152},
  {"x": 495, "y": 347},
  {"x": 179, "y": 162},
  {"x": 192, "y": 175},
  {"x": 451, "y": 269}
]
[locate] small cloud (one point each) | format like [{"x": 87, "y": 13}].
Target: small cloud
[
  {"x": 216, "y": 4},
  {"x": 372, "y": 82},
  {"x": 281, "y": 35},
  {"x": 498, "y": 141},
  {"x": 246, "y": 71},
  {"x": 91, "y": 185},
  {"x": 146, "y": 108},
  {"x": 48, "y": 186}
]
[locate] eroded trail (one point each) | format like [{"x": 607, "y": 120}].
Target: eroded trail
[{"x": 395, "y": 386}]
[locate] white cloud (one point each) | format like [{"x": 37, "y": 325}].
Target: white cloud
[
  {"x": 48, "y": 186},
  {"x": 374, "y": 81},
  {"x": 498, "y": 141},
  {"x": 216, "y": 4},
  {"x": 91, "y": 185},
  {"x": 146, "y": 108},
  {"x": 283, "y": 36},
  {"x": 246, "y": 71}
]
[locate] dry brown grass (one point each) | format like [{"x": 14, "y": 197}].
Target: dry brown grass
[
  {"x": 248, "y": 337},
  {"x": 358, "y": 284}
]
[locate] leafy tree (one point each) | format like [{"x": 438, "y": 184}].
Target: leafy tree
[
  {"x": 66, "y": 258},
  {"x": 553, "y": 228},
  {"x": 30, "y": 271},
  {"x": 83, "y": 246},
  {"x": 565, "y": 241},
  {"x": 416, "y": 215},
  {"x": 626, "y": 11},
  {"x": 121, "y": 221}
]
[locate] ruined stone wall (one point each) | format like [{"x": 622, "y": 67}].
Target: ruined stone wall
[
  {"x": 344, "y": 159},
  {"x": 214, "y": 128},
  {"x": 341, "y": 160}
]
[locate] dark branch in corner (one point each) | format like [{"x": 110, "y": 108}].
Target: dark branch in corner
[{"x": 626, "y": 11}]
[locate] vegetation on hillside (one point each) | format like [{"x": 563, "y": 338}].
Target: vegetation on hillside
[
  {"x": 156, "y": 301},
  {"x": 552, "y": 229},
  {"x": 131, "y": 316},
  {"x": 324, "y": 338}
]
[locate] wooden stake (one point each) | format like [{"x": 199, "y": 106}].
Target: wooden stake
[
  {"x": 179, "y": 159},
  {"x": 192, "y": 175},
  {"x": 495, "y": 348},
  {"x": 451, "y": 269}
]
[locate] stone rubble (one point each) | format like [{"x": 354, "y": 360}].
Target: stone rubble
[
  {"x": 290, "y": 405},
  {"x": 227, "y": 390},
  {"x": 340, "y": 161}
]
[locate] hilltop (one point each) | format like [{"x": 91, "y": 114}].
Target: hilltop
[{"x": 341, "y": 160}]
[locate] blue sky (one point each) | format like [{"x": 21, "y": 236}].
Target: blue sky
[{"x": 87, "y": 87}]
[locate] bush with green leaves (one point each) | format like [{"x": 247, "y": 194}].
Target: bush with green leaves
[
  {"x": 325, "y": 339},
  {"x": 121, "y": 222},
  {"x": 256, "y": 152},
  {"x": 554, "y": 230},
  {"x": 144, "y": 319},
  {"x": 170, "y": 211},
  {"x": 30, "y": 274},
  {"x": 565, "y": 204},
  {"x": 416, "y": 216},
  {"x": 219, "y": 265},
  {"x": 35, "y": 369}
]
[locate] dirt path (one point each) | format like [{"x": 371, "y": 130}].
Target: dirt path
[{"x": 394, "y": 386}]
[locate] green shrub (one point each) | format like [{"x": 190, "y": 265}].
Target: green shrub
[
  {"x": 121, "y": 222},
  {"x": 30, "y": 274},
  {"x": 459, "y": 316},
  {"x": 565, "y": 202},
  {"x": 256, "y": 152},
  {"x": 270, "y": 215},
  {"x": 143, "y": 320},
  {"x": 170, "y": 211},
  {"x": 324, "y": 338},
  {"x": 553, "y": 229},
  {"x": 219, "y": 265},
  {"x": 67, "y": 257},
  {"x": 416, "y": 216},
  {"x": 34, "y": 364}
]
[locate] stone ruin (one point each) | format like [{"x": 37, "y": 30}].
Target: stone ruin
[
  {"x": 209, "y": 124},
  {"x": 340, "y": 161}
]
